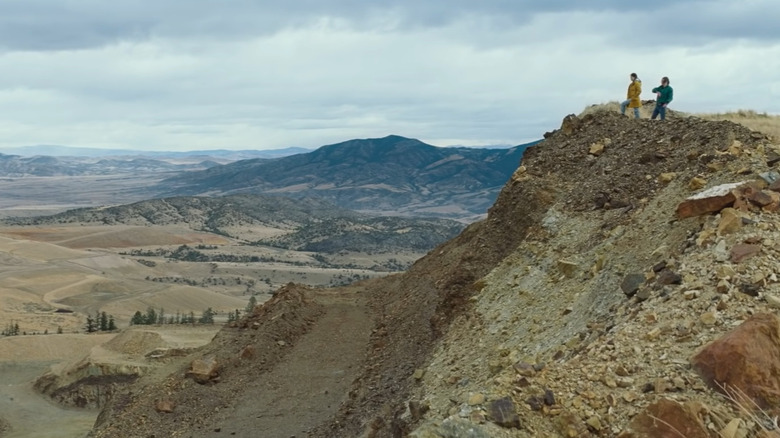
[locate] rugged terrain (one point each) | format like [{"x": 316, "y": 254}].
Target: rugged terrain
[
  {"x": 394, "y": 174},
  {"x": 308, "y": 224},
  {"x": 574, "y": 306}
]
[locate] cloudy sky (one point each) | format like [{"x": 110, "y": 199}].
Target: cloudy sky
[{"x": 262, "y": 74}]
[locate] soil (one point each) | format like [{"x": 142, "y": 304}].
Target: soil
[{"x": 536, "y": 283}]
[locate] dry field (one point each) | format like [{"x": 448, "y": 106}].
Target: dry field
[{"x": 51, "y": 277}]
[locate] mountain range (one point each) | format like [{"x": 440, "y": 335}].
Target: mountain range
[{"x": 393, "y": 174}]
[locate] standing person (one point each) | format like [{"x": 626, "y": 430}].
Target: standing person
[
  {"x": 664, "y": 95},
  {"x": 632, "y": 97}
]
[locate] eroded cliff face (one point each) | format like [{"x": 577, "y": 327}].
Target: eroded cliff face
[{"x": 572, "y": 310}]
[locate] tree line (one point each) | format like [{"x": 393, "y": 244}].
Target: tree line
[{"x": 159, "y": 317}]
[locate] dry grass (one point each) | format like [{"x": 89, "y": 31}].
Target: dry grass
[
  {"x": 766, "y": 424},
  {"x": 763, "y": 122}
]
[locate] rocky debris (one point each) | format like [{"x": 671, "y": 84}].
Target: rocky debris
[
  {"x": 667, "y": 419},
  {"x": 452, "y": 428},
  {"x": 745, "y": 361},
  {"x": 504, "y": 413},
  {"x": 631, "y": 284},
  {"x": 165, "y": 405},
  {"x": 204, "y": 370},
  {"x": 608, "y": 358}
]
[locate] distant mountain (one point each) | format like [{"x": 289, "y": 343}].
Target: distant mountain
[
  {"x": 223, "y": 154},
  {"x": 391, "y": 174},
  {"x": 18, "y": 166},
  {"x": 314, "y": 225}
]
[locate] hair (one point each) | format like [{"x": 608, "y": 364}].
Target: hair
[
  {"x": 665, "y": 79},
  {"x": 633, "y": 75}
]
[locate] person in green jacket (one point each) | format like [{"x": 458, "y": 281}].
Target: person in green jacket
[
  {"x": 664, "y": 95},
  {"x": 632, "y": 100}
]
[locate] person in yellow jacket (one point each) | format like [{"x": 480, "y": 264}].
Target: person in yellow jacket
[{"x": 632, "y": 101}]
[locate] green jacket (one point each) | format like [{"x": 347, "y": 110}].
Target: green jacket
[{"x": 667, "y": 94}]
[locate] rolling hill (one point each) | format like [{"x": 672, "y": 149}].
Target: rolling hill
[
  {"x": 304, "y": 224},
  {"x": 391, "y": 174}
]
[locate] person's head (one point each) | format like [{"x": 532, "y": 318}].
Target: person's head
[
  {"x": 633, "y": 76},
  {"x": 664, "y": 81}
]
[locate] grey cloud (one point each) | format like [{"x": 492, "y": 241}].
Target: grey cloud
[{"x": 77, "y": 24}]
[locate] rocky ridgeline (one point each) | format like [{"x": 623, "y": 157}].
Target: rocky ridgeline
[{"x": 629, "y": 310}]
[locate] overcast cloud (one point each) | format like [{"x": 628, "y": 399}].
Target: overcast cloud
[{"x": 241, "y": 74}]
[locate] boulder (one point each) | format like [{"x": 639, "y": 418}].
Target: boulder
[
  {"x": 667, "y": 419},
  {"x": 165, "y": 406},
  {"x": 709, "y": 201},
  {"x": 742, "y": 251},
  {"x": 504, "y": 413},
  {"x": 204, "y": 370},
  {"x": 745, "y": 361},
  {"x": 631, "y": 284}
]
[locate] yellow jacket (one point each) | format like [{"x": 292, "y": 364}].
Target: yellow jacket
[{"x": 634, "y": 90}]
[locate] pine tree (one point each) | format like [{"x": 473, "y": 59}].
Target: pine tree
[
  {"x": 207, "y": 317},
  {"x": 91, "y": 327},
  {"x": 103, "y": 322},
  {"x": 151, "y": 316},
  {"x": 111, "y": 323},
  {"x": 138, "y": 318},
  {"x": 251, "y": 305}
]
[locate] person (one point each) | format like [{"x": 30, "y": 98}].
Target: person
[
  {"x": 664, "y": 95},
  {"x": 632, "y": 100}
]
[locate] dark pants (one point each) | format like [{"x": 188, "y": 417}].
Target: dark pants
[{"x": 659, "y": 109}]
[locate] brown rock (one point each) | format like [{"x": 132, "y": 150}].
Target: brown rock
[
  {"x": 504, "y": 413},
  {"x": 742, "y": 251},
  {"x": 746, "y": 359},
  {"x": 666, "y": 178},
  {"x": 248, "y": 352},
  {"x": 666, "y": 419},
  {"x": 525, "y": 369},
  {"x": 165, "y": 406},
  {"x": 418, "y": 409},
  {"x": 667, "y": 276},
  {"x": 204, "y": 370},
  {"x": 596, "y": 149},
  {"x": 570, "y": 426},
  {"x": 760, "y": 198},
  {"x": 697, "y": 183},
  {"x": 709, "y": 201},
  {"x": 730, "y": 221},
  {"x": 631, "y": 283}
]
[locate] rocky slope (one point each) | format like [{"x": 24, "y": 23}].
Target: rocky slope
[{"x": 573, "y": 310}]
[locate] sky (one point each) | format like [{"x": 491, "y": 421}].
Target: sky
[{"x": 181, "y": 75}]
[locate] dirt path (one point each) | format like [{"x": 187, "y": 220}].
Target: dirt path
[{"x": 308, "y": 386}]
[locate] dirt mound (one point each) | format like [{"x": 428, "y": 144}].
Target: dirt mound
[
  {"x": 135, "y": 342},
  {"x": 535, "y": 283},
  {"x": 243, "y": 352}
]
